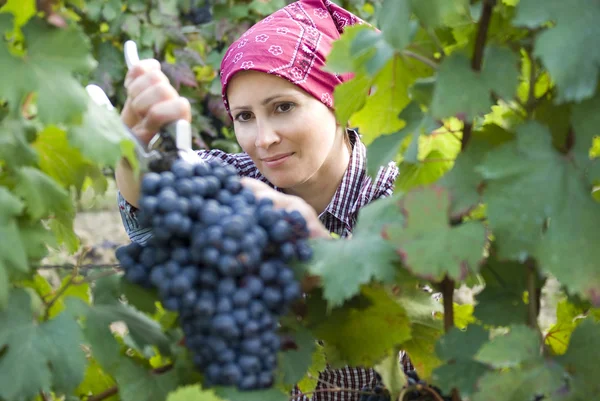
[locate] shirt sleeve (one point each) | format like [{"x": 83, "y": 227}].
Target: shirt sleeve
[
  {"x": 385, "y": 180},
  {"x": 140, "y": 233}
]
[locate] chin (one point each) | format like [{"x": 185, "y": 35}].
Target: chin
[{"x": 284, "y": 180}]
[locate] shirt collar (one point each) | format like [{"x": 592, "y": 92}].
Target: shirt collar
[{"x": 344, "y": 200}]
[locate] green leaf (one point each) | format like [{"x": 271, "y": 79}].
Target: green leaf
[
  {"x": 101, "y": 137},
  {"x": 389, "y": 97},
  {"x": 294, "y": 363},
  {"x": 53, "y": 55},
  {"x": 579, "y": 359},
  {"x": 466, "y": 94},
  {"x": 63, "y": 162},
  {"x": 372, "y": 49},
  {"x": 12, "y": 249},
  {"x": 350, "y": 96},
  {"x": 501, "y": 301},
  {"x": 461, "y": 344},
  {"x": 365, "y": 256},
  {"x": 434, "y": 13},
  {"x": 37, "y": 239},
  {"x": 318, "y": 364},
  {"x": 38, "y": 356},
  {"x": 14, "y": 149},
  {"x": 394, "y": 17},
  {"x": 462, "y": 375},
  {"x": 232, "y": 394},
  {"x": 337, "y": 59},
  {"x": 22, "y": 9},
  {"x": 520, "y": 345},
  {"x": 138, "y": 384},
  {"x": 392, "y": 375},
  {"x": 421, "y": 348},
  {"x": 43, "y": 196},
  {"x": 192, "y": 393},
  {"x": 10, "y": 205},
  {"x": 363, "y": 336},
  {"x": 428, "y": 245},
  {"x": 519, "y": 170},
  {"x": 544, "y": 379},
  {"x": 586, "y": 125},
  {"x": 569, "y": 49},
  {"x": 96, "y": 381},
  {"x": 4, "y": 286},
  {"x": 568, "y": 317}
]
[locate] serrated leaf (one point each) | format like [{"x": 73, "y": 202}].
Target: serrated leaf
[
  {"x": 579, "y": 359},
  {"x": 337, "y": 59},
  {"x": 372, "y": 49},
  {"x": 586, "y": 125},
  {"x": 461, "y": 344},
  {"x": 53, "y": 56},
  {"x": 96, "y": 381},
  {"x": 294, "y": 363},
  {"x": 392, "y": 375},
  {"x": 4, "y": 286},
  {"x": 38, "y": 238},
  {"x": 318, "y": 364},
  {"x": 520, "y": 345},
  {"x": 10, "y": 205},
  {"x": 22, "y": 9},
  {"x": 389, "y": 97},
  {"x": 501, "y": 301},
  {"x": 138, "y": 384},
  {"x": 568, "y": 317},
  {"x": 361, "y": 337},
  {"x": 394, "y": 17},
  {"x": 142, "y": 299},
  {"x": 428, "y": 245},
  {"x": 421, "y": 348},
  {"x": 38, "y": 356},
  {"x": 463, "y": 180},
  {"x": 101, "y": 137},
  {"x": 434, "y": 13},
  {"x": 14, "y": 148},
  {"x": 519, "y": 170},
  {"x": 232, "y": 394},
  {"x": 12, "y": 249},
  {"x": 569, "y": 49},
  {"x": 462, "y": 375},
  {"x": 462, "y": 92},
  {"x": 350, "y": 96},
  {"x": 365, "y": 256},
  {"x": 192, "y": 393},
  {"x": 61, "y": 161},
  {"x": 42, "y": 195},
  {"x": 543, "y": 379}
]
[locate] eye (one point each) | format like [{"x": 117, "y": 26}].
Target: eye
[
  {"x": 243, "y": 116},
  {"x": 285, "y": 107}
]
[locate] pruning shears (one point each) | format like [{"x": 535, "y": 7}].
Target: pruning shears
[{"x": 174, "y": 140}]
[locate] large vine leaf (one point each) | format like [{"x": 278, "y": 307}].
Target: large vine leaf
[
  {"x": 519, "y": 170},
  {"x": 53, "y": 55},
  {"x": 581, "y": 358},
  {"x": 294, "y": 363},
  {"x": 38, "y": 357},
  {"x": 434, "y": 13},
  {"x": 42, "y": 195},
  {"x": 101, "y": 137},
  {"x": 501, "y": 301},
  {"x": 363, "y": 336},
  {"x": 365, "y": 256},
  {"x": 428, "y": 245},
  {"x": 568, "y": 317},
  {"x": 464, "y": 93},
  {"x": 520, "y": 345},
  {"x": 457, "y": 348},
  {"x": 14, "y": 149},
  {"x": 570, "y": 48},
  {"x": 192, "y": 393}
]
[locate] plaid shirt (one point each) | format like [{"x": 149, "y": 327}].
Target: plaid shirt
[{"x": 356, "y": 190}]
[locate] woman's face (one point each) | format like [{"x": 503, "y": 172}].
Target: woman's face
[{"x": 291, "y": 136}]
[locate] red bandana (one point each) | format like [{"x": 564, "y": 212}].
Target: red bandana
[{"x": 292, "y": 43}]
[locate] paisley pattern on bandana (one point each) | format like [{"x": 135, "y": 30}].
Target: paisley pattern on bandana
[{"x": 292, "y": 43}]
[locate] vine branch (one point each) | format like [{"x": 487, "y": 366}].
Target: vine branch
[{"x": 421, "y": 58}]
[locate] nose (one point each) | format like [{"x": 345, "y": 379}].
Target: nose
[{"x": 266, "y": 135}]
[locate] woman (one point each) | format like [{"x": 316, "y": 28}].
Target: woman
[{"x": 295, "y": 152}]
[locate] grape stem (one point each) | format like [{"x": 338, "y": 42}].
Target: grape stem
[{"x": 421, "y": 58}]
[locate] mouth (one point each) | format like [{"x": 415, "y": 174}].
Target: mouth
[{"x": 277, "y": 159}]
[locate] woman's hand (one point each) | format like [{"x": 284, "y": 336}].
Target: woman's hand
[
  {"x": 288, "y": 202},
  {"x": 152, "y": 101}
]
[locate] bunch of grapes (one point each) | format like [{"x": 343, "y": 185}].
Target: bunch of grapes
[
  {"x": 220, "y": 258},
  {"x": 413, "y": 379}
]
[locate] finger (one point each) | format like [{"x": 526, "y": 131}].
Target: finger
[
  {"x": 151, "y": 97},
  {"x": 145, "y": 81},
  {"x": 166, "y": 112},
  {"x": 140, "y": 68}
]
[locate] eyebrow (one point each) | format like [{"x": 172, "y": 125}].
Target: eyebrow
[{"x": 265, "y": 101}]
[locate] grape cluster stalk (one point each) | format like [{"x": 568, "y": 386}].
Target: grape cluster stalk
[{"x": 221, "y": 259}]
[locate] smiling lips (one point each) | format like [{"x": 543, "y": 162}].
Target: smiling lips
[{"x": 276, "y": 160}]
